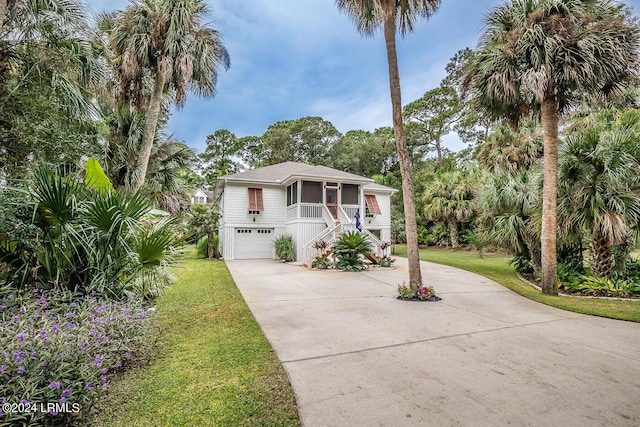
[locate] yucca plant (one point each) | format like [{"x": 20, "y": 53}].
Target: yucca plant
[{"x": 348, "y": 250}]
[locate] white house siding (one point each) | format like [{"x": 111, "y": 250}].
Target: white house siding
[
  {"x": 380, "y": 222},
  {"x": 236, "y": 214}
]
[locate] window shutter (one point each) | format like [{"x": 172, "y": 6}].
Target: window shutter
[
  {"x": 255, "y": 199},
  {"x": 372, "y": 204}
]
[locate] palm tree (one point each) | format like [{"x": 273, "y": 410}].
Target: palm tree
[
  {"x": 509, "y": 150},
  {"x": 600, "y": 189},
  {"x": 450, "y": 199},
  {"x": 393, "y": 15},
  {"x": 510, "y": 206},
  {"x": 47, "y": 69},
  {"x": 169, "y": 41},
  {"x": 545, "y": 55}
]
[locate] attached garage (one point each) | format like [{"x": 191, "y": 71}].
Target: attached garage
[{"x": 253, "y": 243}]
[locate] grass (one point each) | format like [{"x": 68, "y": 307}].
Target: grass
[
  {"x": 214, "y": 367},
  {"x": 497, "y": 268}
]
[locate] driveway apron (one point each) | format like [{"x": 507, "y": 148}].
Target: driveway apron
[{"x": 483, "y": 356}]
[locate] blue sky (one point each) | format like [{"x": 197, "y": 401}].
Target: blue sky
[{"x": 297, "y": 58}]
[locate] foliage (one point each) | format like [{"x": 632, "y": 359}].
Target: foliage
[
  {"x": 508, "y": 150},
  {"x": 602, "y": 286},
  {"x": 430, "y": 118},
  {"x": 164, "y": 45},
  {"x": 631, "y": 271},
  {"x": 223, "y": 148},
  {"x": 59, "y": 348},
  {"x": 238, "y": 378},
  {"x": 599, "y": 188},
  {"x": 522, "y": 263},
  {"x": 450, "y": 199},
  {"x": 510, "y": 206},
  {"x": 423, "y": 293},
  {"x": 202, "y": 246},
  {"x": 203, "y": 222},
  {"x": 404, "y": 291},
  {"x": 307, "y": 140},
  {"x": 47, "y": 70},
  {"x": 531, "y": 59},
  {"x": 285, "y": 248},
  {"x": 348, "y": 250},
  {"x": 365, "y": 153},
  {"x": 386, "y": 261},
  {"x": 321, "y": 262},
  {"x": 89, "y": 240}
]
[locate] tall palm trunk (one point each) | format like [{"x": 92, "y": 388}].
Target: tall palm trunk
[
  {"x": 408, "y": 196},
  {"x": 601, "y": 256},
  {"x": 152, "y": 116},
  {"x": 549, "y": 194}
]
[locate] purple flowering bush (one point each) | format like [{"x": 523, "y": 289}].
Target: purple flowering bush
[{"x": 57, "y": 353}]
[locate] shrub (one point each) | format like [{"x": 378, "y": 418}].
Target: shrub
[
  {"x": 600, "y": 286},
  {"x": 321, "y": 262},
  {"x": 91, "y": 238},
  {"x": 348, "y": 249},
  {"x": 522, "y": 263},
  {"x": 59, "y": 350},
  {"x": 202, "y": 247},
  {"x": 285, "y": 249}
]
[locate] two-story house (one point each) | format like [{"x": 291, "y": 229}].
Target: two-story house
[{"x": 310, "y": 203}]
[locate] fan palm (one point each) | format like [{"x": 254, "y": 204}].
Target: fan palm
[
  {"x": 509, "y": 150},
  {"x": 545, "y": 55},
  {"x": 393, "y": 15},
  {"x": 510, "y": 206},
  {"x": 599, "y": 188},
  {"x": 169, "y": 41},
  {"x": 450, "y": 199}
]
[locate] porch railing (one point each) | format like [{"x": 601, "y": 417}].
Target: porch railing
[{"x": 311, "y": 210}]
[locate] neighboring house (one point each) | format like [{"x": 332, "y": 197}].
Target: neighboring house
[
  {"x": 203, "y": 197},
  {"x": 311, "y": 203}
]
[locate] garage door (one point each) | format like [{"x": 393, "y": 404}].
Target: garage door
[{"x": 251, "y": 243}]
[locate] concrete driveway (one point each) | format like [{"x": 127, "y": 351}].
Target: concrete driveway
[{"x": 483, "y": 356}]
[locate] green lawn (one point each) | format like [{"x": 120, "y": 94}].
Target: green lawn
[
  {"x": 497, "y": 268},
  {"x": 215, "y": 366}
]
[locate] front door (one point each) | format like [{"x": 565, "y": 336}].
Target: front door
[{"x": 332, "y": 201}]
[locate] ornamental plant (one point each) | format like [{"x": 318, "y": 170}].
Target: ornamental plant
[
  {"x": 348, "y": 250},
  {"x": 56, "y": 349},
  {"x": 285, "y": 248},
  {"x": 424, "y": 293},
  {"x": 85, "y": 237}
]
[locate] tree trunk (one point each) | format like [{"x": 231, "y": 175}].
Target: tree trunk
[
  {"x": 152, "y": 116},
  {"x": 453, "y": 233},
  {"x": 601, "y": 257},
  {"x": 533, "y": 246},
  {"x": 408, "y": 196},
  {"x": 211, "y": 248},
  {"x": 439, "y": 151},
  {"x": 621, "y": 255},
  {"x": 549, "y": 195}
]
